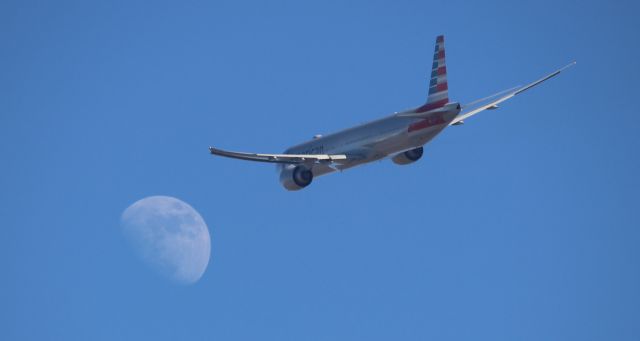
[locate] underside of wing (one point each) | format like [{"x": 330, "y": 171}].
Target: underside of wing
[
  {"x": 504, "y": 95},
  {"x": 281, "y": 158}
]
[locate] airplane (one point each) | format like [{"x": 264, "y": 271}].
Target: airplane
[{"x": 400, "y": 136}]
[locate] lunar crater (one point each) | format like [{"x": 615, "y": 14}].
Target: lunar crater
[{"x": 170, "y": 236}]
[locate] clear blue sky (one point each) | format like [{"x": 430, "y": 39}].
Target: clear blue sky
[{"x": 522, "y": 224}]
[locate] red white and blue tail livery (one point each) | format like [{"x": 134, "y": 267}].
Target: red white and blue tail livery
[
  {"x": 438, "y": 88},
  {"x": 400, "y": 136}
]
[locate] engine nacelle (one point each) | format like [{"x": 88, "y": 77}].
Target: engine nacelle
[
  {"x": 408, "y": 157},
  {"x": 294, "y": 177}
]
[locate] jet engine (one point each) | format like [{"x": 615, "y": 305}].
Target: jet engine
[
  {"x": 409, "y": 156},
  {"x": 294, "y": 177}
]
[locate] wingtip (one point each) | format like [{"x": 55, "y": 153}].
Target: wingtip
[{"x": 569, "y": 65}]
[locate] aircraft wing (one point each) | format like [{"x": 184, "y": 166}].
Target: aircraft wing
[
  {"x": 282, "y": 158},
  {"x": 510, "y": 93}
]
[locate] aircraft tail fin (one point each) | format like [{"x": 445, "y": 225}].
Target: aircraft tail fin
[{"x": 438, "y": 88}]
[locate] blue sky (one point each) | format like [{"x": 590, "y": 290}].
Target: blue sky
[{"x": 521, "y": 224}]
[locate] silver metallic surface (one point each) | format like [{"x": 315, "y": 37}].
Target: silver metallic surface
[{"x": 399, "y": 136}]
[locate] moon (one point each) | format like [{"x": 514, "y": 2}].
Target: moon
[{"x": 170, "y": 236}]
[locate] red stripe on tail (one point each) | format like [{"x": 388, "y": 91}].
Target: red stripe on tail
[
  {"x": 441, "y": 87},
  {"x": 433, "y": 105}
]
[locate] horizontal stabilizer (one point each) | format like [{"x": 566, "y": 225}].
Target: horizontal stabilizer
[{"x": 424, "y": 114}]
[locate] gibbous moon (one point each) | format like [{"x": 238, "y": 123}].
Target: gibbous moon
[{"x": 170, "y": 236}]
